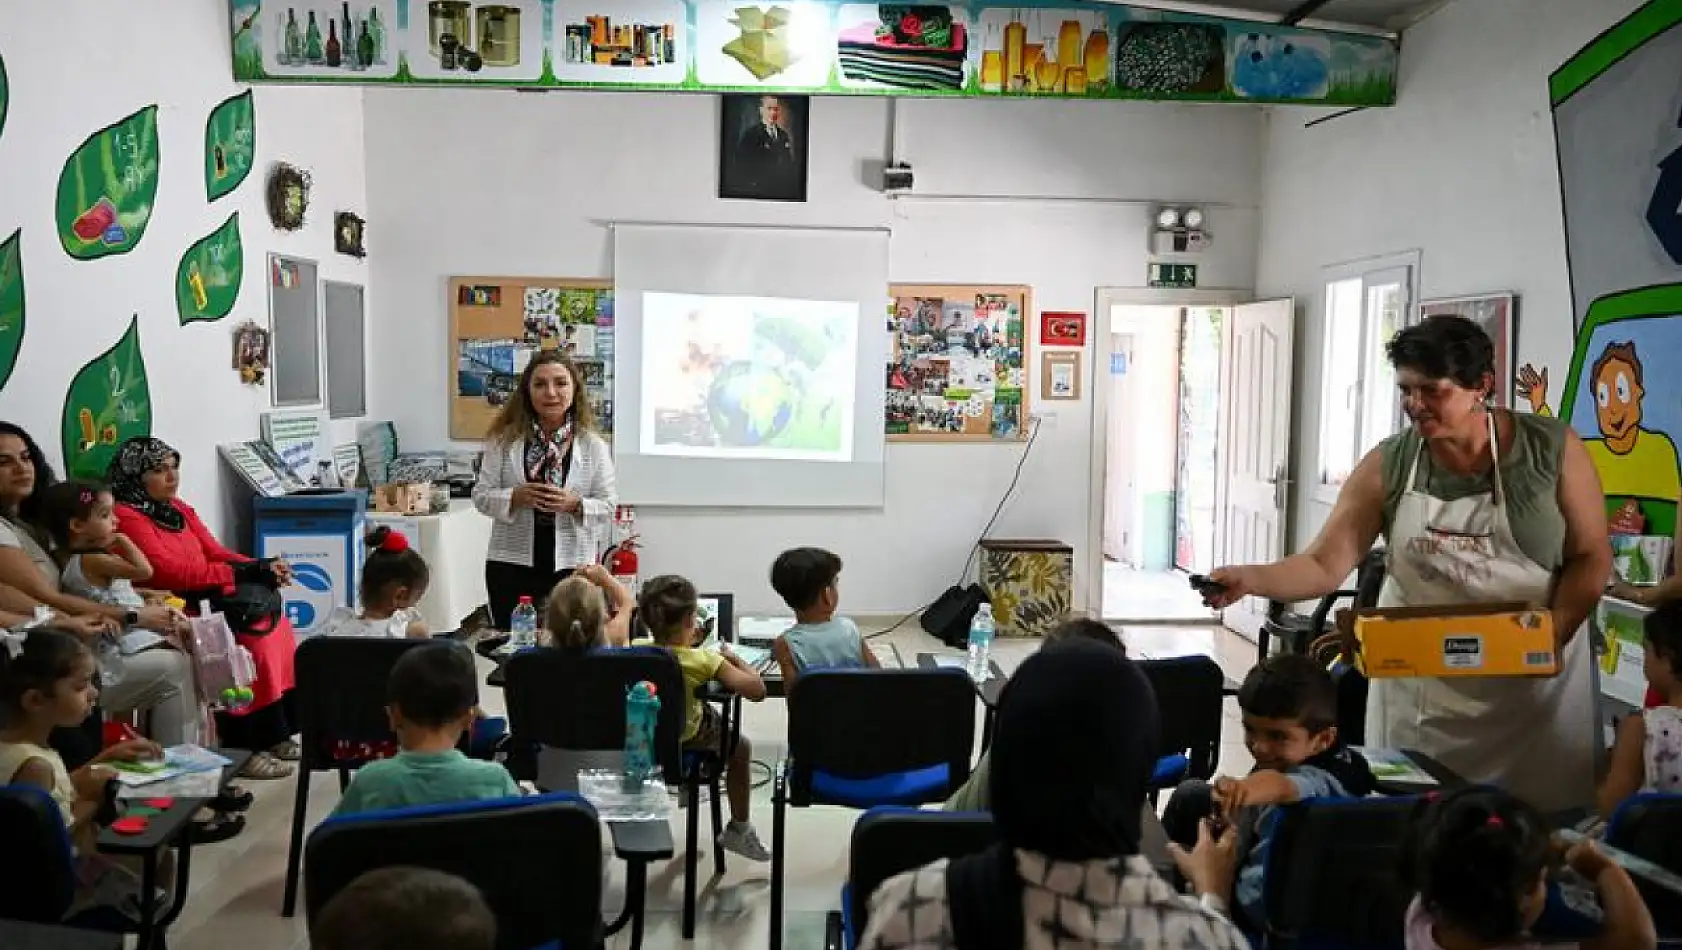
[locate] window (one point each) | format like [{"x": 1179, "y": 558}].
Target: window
[{"x": 1365, "y": 306}]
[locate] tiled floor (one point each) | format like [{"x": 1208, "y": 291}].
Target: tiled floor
[
  {"x": 236, "y": 886},
  {"x": 1144, "y": 596}
]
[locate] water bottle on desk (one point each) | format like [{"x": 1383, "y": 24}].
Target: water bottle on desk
[
  {"x": 523, "y": 625},
  {"x": 981, "y": 643},
  {"x": 642, "y": 715}
]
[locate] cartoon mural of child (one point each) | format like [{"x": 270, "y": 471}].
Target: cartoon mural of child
[{"x": 1633, "y": 462}]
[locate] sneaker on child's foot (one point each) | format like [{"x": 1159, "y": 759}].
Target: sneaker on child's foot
[{"x": 740, "y": 838}]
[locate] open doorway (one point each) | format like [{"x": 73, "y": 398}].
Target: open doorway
[{"x": 1160, "y": 504}]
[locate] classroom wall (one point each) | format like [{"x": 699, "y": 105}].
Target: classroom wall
[
  {"x": 1463, "y": 168},
  {"x": 75, "y": 66},
  {"x": 502, "y": 183}
]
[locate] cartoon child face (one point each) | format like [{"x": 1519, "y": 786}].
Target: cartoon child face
[{"x": 1617, "y": 399}]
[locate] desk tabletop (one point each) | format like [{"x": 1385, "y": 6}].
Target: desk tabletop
[
  {"x": 163, "y": 828},
  {"x": 886, "y": 653},
  {"x": 23, "y": 935}
]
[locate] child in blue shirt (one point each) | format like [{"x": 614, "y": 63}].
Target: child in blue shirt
[
  {"x": 432, "y": 693},
  {"x": 806, "y": 579},
  {"x": 1290, "y": 727}
]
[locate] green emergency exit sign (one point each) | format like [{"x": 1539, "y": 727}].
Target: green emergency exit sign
[{"x": 1172, "y": 275}]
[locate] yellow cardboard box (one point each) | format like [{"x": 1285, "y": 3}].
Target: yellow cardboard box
[{"x": 1488, "y": 640}]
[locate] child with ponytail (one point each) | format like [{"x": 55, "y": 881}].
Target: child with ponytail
[
  {"x": 588, "y": 610},
  {"x": 394, "y": 579}
]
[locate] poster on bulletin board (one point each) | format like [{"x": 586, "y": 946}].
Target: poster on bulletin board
[
  {"x": 497, "y": 323},
  {"x": 957, "y": 363}
]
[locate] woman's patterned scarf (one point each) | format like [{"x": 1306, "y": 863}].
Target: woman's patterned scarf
[
  {"x": 127, "y": 476},
  {"x": 546, "y": 453}
]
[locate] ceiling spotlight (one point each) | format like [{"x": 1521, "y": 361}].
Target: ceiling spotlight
[
  {"x": 1194, "y": 218},
  {"x": 1168, "y": 218}
]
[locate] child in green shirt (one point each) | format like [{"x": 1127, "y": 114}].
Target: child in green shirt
[{"x": 432, "y": 693}]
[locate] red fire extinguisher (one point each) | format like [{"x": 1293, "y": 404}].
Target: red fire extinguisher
[{"x": 621, "y": 558}]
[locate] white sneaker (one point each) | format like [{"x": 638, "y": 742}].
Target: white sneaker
[{"x": 740, "y": 838}]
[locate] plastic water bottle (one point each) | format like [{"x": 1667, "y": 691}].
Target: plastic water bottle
[
  {"x": 642, "y": 715},
  {"x": 981, "y": 643},
  {"x": 523, "y": 624}
]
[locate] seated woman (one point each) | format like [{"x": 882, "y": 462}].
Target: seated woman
[
  {"x": 1072, "y": 759},
  {"x": 156, "y": 683},
  {"x": 187, "y": 559}
]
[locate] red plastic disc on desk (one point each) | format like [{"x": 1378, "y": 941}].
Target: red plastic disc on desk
[
  {"x": 160, "y": 804},
  {"x": 130, "y": 826}
]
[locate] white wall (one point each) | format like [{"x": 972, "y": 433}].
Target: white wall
[
  {"x": 1463, "y": 168},
  {"x": 175, "y": 55},
  {"x": 468, "y": 182}
]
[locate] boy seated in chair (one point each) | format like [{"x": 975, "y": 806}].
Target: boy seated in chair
[
  {"x": 1290, "y": 727},
  {"x": 432, "y": 694},
  {"x": 806, "y": 579}
]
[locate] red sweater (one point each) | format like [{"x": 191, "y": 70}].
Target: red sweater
[{"x": 182, "y": 561}]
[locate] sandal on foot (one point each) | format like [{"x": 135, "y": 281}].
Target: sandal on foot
[
  {"x": 232, "y": 800},
  {"x": 287, "y": 751},
  {"x": 263, "y": 767},
  {"x": 219, "y": 828}
]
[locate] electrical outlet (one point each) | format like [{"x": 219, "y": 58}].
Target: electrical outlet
[{"x": 1044, "y": 420}]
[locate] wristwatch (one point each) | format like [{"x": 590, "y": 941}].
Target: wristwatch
[{"x": 131, "y": 618}]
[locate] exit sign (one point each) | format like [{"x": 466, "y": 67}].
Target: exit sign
[{"x": 1173, "y": 275}]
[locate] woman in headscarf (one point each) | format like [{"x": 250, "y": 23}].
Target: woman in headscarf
[
  {"x": 187, "y": 559},
  {"x": 1071, "y": 761}
]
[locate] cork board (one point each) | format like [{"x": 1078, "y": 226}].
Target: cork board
[
  {"x": 957, "y": 366},
  {"x": 497, "y": 323}
]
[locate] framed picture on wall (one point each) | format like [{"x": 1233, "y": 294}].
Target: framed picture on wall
[
  {"x": 762, "y": 147},
  {"x": 1497, "y": 313}
]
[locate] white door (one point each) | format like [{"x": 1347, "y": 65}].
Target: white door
[{"x": 1254, "y": 445}]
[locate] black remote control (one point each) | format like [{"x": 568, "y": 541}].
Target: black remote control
[{"x": 1203, "y": 585}]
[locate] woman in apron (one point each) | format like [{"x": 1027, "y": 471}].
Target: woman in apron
[{"x": 1476, "y": 506}]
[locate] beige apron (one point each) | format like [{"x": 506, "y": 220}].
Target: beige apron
[{"x": 1533, "y": 737}]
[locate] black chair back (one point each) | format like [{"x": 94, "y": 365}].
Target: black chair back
[
  {"x": 1333, "y": 874},
  {"x": 1650, "y": 826},
  {"x": 1190, "y": 691},
  {"x": 576, "y": 701},
  {"x": 341, "y": 692},
  {"x": 891, "y": 841},
  {"x": 36, "y": 882},
  {"x": 538, "y": 861},
  {"x": 862, "y": 724}
]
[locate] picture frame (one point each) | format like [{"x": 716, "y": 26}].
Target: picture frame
[
  {"x": 959, "y": 362},
  {"x": 762, "y": 147},
  {"x": 1060, "y": 376},
  {"x": 1497, "y": 314},
  {"x": 1062, "y": 328}
]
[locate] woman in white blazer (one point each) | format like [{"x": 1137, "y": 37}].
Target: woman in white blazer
[{"x": 547, "y": 481}]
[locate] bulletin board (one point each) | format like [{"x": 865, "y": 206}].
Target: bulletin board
[
  {"x": 497, "y": 323},
  {"x": 957, "y": 365}
]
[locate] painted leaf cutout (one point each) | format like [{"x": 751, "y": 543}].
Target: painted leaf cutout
[
  {"x": 208, "y": 278},
  {"x": 5, "y": 94},
  {"x": 108, "y": 403},
  {"x": 11, "y": 304},
  {"x": 107, "y": 188},
  {"x": 230, "y": 145}
]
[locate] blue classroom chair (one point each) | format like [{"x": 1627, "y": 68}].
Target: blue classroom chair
[{"x": 891, "y": 840}]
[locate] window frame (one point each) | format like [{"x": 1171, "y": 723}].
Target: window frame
[{"x": 1402, "y": 268}]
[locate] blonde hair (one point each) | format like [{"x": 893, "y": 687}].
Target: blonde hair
[
  {"x": 575, "y": 615},
  {"x": 516, "y": 417},
  {"x": 665, "y": 603}
]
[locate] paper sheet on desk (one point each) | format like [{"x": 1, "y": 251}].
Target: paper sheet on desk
[
  {"x": 1392, "y": 765},
  {"x": 177, "y": 761}
]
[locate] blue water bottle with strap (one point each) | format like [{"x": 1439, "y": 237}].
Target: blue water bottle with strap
[{"x": 642, "y": 715}]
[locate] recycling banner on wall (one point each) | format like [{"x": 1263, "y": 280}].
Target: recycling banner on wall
[{"x": 1036, "y": 49}]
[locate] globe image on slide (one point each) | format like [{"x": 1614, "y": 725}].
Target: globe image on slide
[{"x": 750, "y": 404}]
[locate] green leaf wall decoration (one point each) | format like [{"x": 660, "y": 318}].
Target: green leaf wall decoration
[
  {"x": 230, "y": 145},
  {"x": 5, "y": 94},
  {"x": 11, "y": 304},
  {"x": 107, "y": 188},
  {"x": 108, "y": 403},
  {"x": 207, "y": 280}
]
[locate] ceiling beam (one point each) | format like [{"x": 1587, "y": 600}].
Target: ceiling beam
[{"x": 1303, "y": 11}]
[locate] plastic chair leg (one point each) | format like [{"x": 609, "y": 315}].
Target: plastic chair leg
[
  {"x": 295, "y": 849},
  {"x": 691, "y": 858},
  {"x": 718, "y": 827},
  {"x": 344, "y": 780},
  {"x": 777, "y": 818}
]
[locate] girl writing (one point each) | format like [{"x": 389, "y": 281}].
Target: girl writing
[{"x": 1478, "y": 858}]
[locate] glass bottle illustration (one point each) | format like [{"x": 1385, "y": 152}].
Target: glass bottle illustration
[
  {"x": 376, "y": 27},
  {"x": 347, "y": 30},
  {"x": 364, "y": 46},
  {"x": 294, "y": 39},
  {"x": 312, "y": 41},
  {"x": 334, "y": 51}
]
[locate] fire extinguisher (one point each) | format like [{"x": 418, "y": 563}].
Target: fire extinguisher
[{"x": 621, "y": 558}]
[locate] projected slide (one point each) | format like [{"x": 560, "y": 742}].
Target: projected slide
[{"x": 748, "y": 377}]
